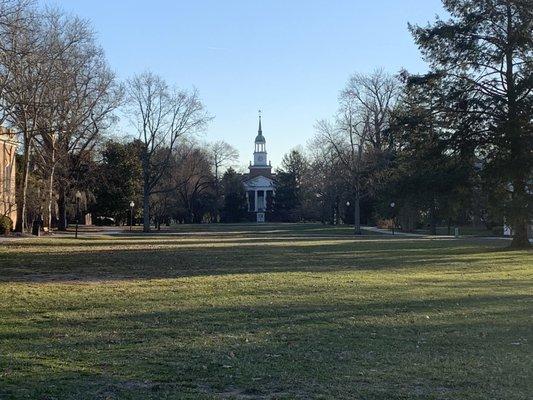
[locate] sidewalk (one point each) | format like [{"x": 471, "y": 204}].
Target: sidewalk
[
  {"x": 396, "y": 233},
  {"x": 420, "y": 235}
]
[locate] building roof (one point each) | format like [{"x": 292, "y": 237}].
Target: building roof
[
  {"x": 259, "y": 171},
  {"x": 260, "y": 138},
  {"x": 259, "y": 182}
]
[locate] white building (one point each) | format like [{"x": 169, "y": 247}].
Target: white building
[{"x": 259, "y": 182}]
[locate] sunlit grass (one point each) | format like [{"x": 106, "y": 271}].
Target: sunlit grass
[{"x": 227, "y": 314}]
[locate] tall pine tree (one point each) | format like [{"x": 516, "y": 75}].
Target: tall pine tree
[{"x": 485, "y": 51}]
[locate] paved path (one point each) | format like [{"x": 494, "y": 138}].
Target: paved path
[{"x": 389, "y": 232}]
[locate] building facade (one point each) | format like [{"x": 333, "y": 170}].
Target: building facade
[
  {"x": 8, "y": 148},
  {"x": 259, "y": 183}
]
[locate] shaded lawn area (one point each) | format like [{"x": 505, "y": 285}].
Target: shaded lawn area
[
  {"x": 275, "y": 312},
  {"x": 248, "y": 229}
]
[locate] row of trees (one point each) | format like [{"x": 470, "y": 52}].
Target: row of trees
[
  {"x": 454, "y": 145},
  {"x": 188, "y": 191},
  {"x": 59, "y": 95}
]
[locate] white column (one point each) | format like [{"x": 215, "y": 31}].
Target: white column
[{"x": 255, "y": 205}]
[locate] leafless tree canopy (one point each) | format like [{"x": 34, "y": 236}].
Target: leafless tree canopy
[
  {"x": 360, "y": 128},
  {"x": 373, "y": 97},
  {"x": 56, "y": 91},
  {"x": 163, "y": 117},
  {"x": 223, "y": 155}
]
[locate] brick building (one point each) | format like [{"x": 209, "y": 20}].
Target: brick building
[{"x": 8, "y": 147}]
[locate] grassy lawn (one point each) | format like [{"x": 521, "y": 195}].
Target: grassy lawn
[{"x": 269, "y": 312}]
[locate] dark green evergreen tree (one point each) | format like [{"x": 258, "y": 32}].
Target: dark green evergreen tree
[
  {"x": 119, "y": 180},
  {"x": 234, "y": 204},
  {"x": 485, "y": 51},
  {"x": 427, "y": 179},
  {"x": 286, "y": 200},
  {"x": 290, "y": 187}
]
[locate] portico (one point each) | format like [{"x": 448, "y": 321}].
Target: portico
[
  {"x": 259, "y": 184},
  {"x": 259, "y": 198}
]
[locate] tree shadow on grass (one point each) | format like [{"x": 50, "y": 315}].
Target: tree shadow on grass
[
  {"x": 329, "y": 349},
  {"x": 133, "y": 259},
  {"x": 175, "y": 240}
]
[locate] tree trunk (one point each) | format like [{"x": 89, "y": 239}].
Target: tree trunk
[
  {"x": 357, "y": 214},
  {"x": 146, "y": 208},
  {"x": 520, "y": 239},
  {"x": 50, "y": 198},
  {"x": 519, "y": 221},
  {"x": 146, "y": 191},
  {"x": 519, "y": 149},
  {"x": 62, "y": 209},
  {"x": 336, "y": 213},
  {"x": 21, "y": 209},
  {"x": 218, "y": 202},
  {"x": 433, "y": 219}
]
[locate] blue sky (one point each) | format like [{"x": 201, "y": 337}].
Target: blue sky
[{"x": 289, "y": 58}]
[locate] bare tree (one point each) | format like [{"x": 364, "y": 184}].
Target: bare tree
[
  {"x": 375, "y": 96},
  {"x": 14, "y": 18},
  {"x": 82, "y": 97},
  {"x": 223, "y": 155},
  {"x": 162, "y": 117},
  {"x": 360, "y": 134},
  {"x": 194, "y": 178},
  {"x": 26, "y": 64},
  {"x": 57, "y": 91},
  {"x": 345, "y": 140}
]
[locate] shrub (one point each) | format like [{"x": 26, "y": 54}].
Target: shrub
[
  {"x": 385, "y": 223},
  {"x": 6, "y": 225}
]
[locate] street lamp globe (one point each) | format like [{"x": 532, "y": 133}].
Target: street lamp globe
[
  {"x": 78, "y": 194},
  {"x": 347, "y": 204},
  {"x": 132, "y": 204},
  {"x": 393, "y": 204}
]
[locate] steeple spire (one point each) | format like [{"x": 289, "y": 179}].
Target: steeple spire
[{"x": 260, "y": 154}]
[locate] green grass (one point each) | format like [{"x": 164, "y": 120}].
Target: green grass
[{"x": 264, "y": 312}]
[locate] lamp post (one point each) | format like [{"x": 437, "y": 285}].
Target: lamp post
[
  {"x": 132, "y": 204},
  {"x": 347, "y": 205},
  {"x": 78, "y": 198},
  {"x": 318, "y": 196},
  {"x": 392, "y": 205}
]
